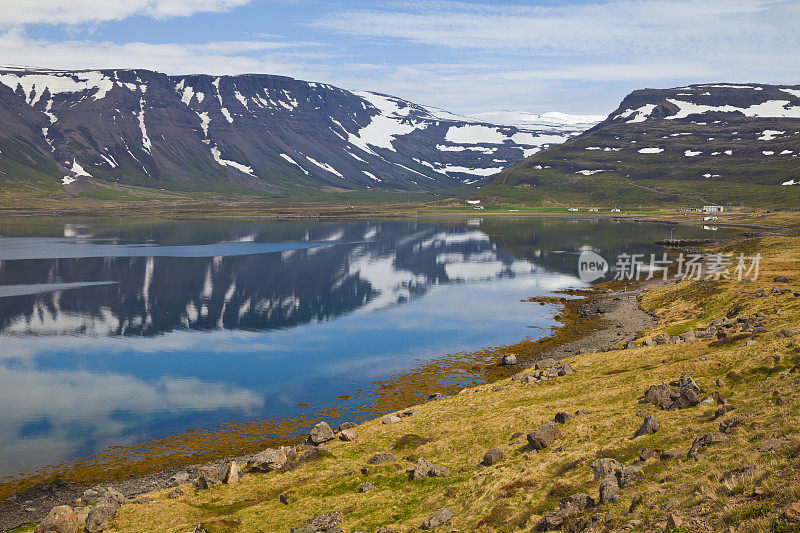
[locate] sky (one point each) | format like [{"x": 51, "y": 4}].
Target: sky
[{"x": 465, "y": 56}]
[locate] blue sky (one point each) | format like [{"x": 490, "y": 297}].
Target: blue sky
[{"x": 571, "y": 56}]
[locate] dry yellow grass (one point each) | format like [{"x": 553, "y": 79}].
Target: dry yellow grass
[{"x": 511, "y": 495}]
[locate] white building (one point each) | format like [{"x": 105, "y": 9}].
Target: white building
[{"x": 713, "y": 209}]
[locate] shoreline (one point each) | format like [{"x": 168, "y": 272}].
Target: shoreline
[{"x": 607, "y": 311}]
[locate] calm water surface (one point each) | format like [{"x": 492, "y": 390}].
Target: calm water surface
[{"x": 117, "y": 332}]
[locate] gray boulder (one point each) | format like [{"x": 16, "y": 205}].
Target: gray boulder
[
  {"x": 493, "y": 456},
  {"x": 61, "y": 519},
  {"x": 609, "y": 489},
  {"x": 425, "y": 469},
  {"x": 544, "y": 436},
  {"x": 380, "y": 458},
  {"x": 99, "y": 517},
  {"x": 268, "y": 460},
  {"x": 438, "y": 518},
  {"x": 233, "y": 474},
  {"x": 320, "y": 433},
  {"x": 649, "y": 425}
]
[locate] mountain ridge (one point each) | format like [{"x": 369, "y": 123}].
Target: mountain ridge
[
  {"x": 720, "y": 143},
  {"x": 258, "y": 132}
]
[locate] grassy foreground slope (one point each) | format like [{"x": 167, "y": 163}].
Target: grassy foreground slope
[{"x": 746, "y": 483}]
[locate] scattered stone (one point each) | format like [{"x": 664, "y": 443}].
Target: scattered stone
[
  {"x": 435, "y": 396},
  {"x": 669, "y": 455},
  {"x": 544, "y": 436},
  {"x": 576, "y": 502},
  {"x": 722, "y": 411},
  {"x": 704, "y": 440},
  {"x": 345, "y": 425},
  {"x": 720, "y": 383},
  {"x": 660, "y": 395},
  {"x": 785, "y": 333},
  {"x": 380, "y": 458},
  {"x": 425, "y": 469},
  {"x": 269, "y": 460},
  {"x": 367, "y": 487},
  {"x": 438, "y": 518},
  {"x": 674, "y": 522},
  {"x": 99, "y": 517},
  {"x": 781, "y": 400},
  {"x": 609, "y": 489},
  {"x": 650, "y": 425},
  {"x": 792, "y": 512},
  {"x": 285, "y": 498},
  {"x": 605, "y": 466},
  {"x": 646, "y": 454},
  {"x": 492, "y": 456},
  {"x": 61, "y": 519},
  {"x": 176, "y": 493},
  {"x": 233, "y": 474},
  {"x": 324, "y": 522},
  {"x": 562, "y": 417},
  {"x": 509, "y": 360},
  {"x": 320, "y": 433},
  {"x": 409, "y": 412},
  {"x": 348, "y": 435},
  {"x": 391, "y": 419},
  {"x": 780, "y": 279}
]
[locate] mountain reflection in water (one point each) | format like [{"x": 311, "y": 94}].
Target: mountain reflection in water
[{"x": 115, "y": 332}]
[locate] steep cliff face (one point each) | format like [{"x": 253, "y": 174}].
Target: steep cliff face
[
  {"x": 262, "y": 132},
  {"x": 711, "y": 143}
]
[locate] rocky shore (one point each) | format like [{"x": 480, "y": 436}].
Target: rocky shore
[{"x": 680, "y": 414}]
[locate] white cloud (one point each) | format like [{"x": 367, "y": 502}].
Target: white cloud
[{"x": 86, "y": 11}]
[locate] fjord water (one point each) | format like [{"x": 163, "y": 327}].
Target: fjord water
[{"x": 117, "y": 332}]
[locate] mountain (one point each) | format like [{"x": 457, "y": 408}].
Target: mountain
[
  {"x": 253, "y": 131},
  {"x": 716, "y": 143}
]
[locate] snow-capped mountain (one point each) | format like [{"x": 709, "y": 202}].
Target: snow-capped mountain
[
  {"x": 705, "y": 143},
  {"x": 263, "y": 132}
]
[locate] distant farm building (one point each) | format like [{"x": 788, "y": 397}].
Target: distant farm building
[{"x": 713, "y": 209}]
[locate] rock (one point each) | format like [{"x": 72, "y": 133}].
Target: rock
[
  {"x": 112, "y": 497},
  {"x": 367, "y": 487},
  {"x": 704, "y": 440},
  {"x": 176, "y": 493},
  {"x": 492, "y": 456},
  {"x": 650, "y": 425},
  {"x": 605, "y": 466},
  {"x": 82, "y": 513},
  {"x": 268, "y": 460},
  {"x": 143, "y": 501},
  {"x": 562, "y": 417},
  {"x": 391, "y": 419},
  {"x": 438, "y": 518},
  {"x": 380, "y": 458},
  {"x": 609, "y": 489},
  {"x": 179, "y": 479},
  {"x": 674, "y": 522},
  {"x": 92, "y": 496},
  {"x": 208, "y": 476},
  {"x": 544, "y": 436},
  {"x": 629, "y": 475},
  {"x": 564, "y": 369},
  {"x": 545, "y": 364},
  {"x": 345, "y": 425},
  {"x": 285, "y": 498},
  {"x": 646, "y": 454},
  {"x": 435, "y": 396},
  {"x": 688, "y": 398},
  {"x": 792, "y": 512},
  {"x": 99, "y": 517},
  {"x": 720, "y": 383},
  {"x": 785, "y": 333},
  {"x": 61, "y": 519},
  {"x": 348, "y": 435},
  {"x": 780, "y": 279},
  {"x": 781, "y": 400},
  {"x": 233, "y": 474},
  {"x": 324, "y": 522},
  {"x": 315, "y": 453},
  {"x": 669, "y": 455},
  {"x": 648, "y": 342},
  {"x": 320, "y": 433},
  {"x": 576, "y": 502},
  {"x": 509, "y": 360},
  {"x": 425, "y": 469},
  {"x": 660, "y": 395},
  {"x": 722, "y": 411},
  {"x": 408, "y": 412}
]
